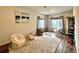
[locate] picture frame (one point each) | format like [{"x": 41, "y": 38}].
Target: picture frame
[
  {"x": 21, "y": 17},
  {"x": 17, "y": 18}
]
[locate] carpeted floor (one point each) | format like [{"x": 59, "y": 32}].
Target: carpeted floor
[{"x": 49, "y": 43}]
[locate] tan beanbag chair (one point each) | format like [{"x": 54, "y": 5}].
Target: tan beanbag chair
[{"x": 17, "y": 40}]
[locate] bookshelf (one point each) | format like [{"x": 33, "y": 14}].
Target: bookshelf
[{"x": 71, "y": 28}]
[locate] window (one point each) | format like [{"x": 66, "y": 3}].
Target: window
[
  {"x": 41, "y": 24},
  {"x": 57, "y": 24}
]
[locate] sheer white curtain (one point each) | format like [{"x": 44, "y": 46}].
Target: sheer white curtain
[
  {"x": 41, "y": 24},
  {"x": 57, "y": 24}
]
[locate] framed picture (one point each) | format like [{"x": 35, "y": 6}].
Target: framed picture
[
  {"x": 23, "y": 19},
  {"x": 27, "y": 19},
  {"x": 17, "y": 19},
  {"x": 21, "y": 16}
]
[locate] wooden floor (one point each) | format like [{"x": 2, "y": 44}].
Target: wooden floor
[{"x": 70, "y": 48}]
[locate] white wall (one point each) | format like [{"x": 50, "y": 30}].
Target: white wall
[
  {"x": 76, "y": 14},
  {"x": 8, "y": 25}
]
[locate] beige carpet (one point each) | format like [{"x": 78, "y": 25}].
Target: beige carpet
[
  {"x": 41, "y": 44},
  {"x": 48, "y": 43}
]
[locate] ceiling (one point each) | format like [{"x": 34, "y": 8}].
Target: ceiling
[{"x": 47, "y": 10}]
